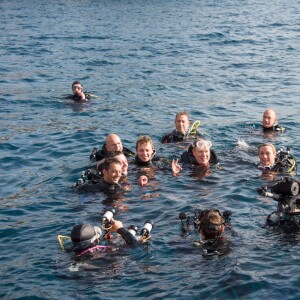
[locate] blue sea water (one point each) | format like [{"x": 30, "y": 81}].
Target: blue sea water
[{"x": 223, "y": 61}]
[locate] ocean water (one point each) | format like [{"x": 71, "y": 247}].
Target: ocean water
[{"x": 224, "y": 62}]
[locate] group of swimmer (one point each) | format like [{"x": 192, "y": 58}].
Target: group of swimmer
[{"x": 110, "y": 168}]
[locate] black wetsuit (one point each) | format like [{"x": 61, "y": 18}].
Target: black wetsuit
[
  {"x": 75, "y": 97},
  {"x": 175, "y": 137},
  {"x": 187, "y": 157},
  {"x": 127, "y": 236},
  {"x": 100, "y": 186},
  {"x": 275, "y": 127},
  {"x": 100, "y": 154}
]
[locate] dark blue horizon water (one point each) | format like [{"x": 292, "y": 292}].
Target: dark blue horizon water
[{"x": 224, "y": 62}]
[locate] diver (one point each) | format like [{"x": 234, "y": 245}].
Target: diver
[
  {"x": 277, "y": 162},
  {"x": 145, "y": 152},
  {"x": 86, "y": 239},
  {"x": 183, "y": 130},
  {"x": 112, "y": 143},
  {"x": 108, "y": 182},
  {"x": 120, "y": 156},
  {"x": 198, "y": 154},
  {"x": 210, "y": 224},
  {"x": 269, "y": 122},
  {"x": 78, "y": 94}
]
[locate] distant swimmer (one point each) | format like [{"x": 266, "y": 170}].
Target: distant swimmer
[
  {"x": 199, "y": 154},
  {"x": 112, "y": 143},
  {"x": 183, "y": 129},
  {"x": 78, "y": 94},
  {"x": 269, "y": 122},
  {"x": 278, "y": 162}
]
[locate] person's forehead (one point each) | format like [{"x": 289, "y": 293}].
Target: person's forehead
[
  {"x": 269, "y": 114},
  {"x": 144, "y": 145},
  {"x": 204, "y": 149},
  {"x": 121, "y": 157},
  {"x": 114, "y": 166},
  {"x": 266, "y": 149},
  {"x": 114, "y": 140},
  {"x": 77, "y": 85},
  {"x": 181, "y": 117}
]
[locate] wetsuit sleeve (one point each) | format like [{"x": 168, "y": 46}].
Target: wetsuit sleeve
[{"x": 127, "y": 236}]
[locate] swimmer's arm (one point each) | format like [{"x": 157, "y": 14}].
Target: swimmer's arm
[{"x": 125, "y": 234}]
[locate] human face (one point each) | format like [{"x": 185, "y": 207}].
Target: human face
[
  {"x": 266, "y": 156},
  {"x": 269, "y": 118},
  {"x": 113, "y": 143},
  {"x": 202, "y": 155},
  {"x": 113, "y": 174},
  {"x": 145, "y": 152},
  {"x": 182, "y": 123},
  {"x": 76, "y": 88},
  {"x": 123, "y": 160}
]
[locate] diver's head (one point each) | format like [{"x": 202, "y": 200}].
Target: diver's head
[
  {"x": 120, "y": 156},
  {"x": 269, "y": 118},
  {"x": 144, "y": 148},
  {"x": 212, "y": 224},
  {"x": 112, "y": 170},
  {"x": 201, "y": 151},
  {"x": 85, "y": 236},
  {"x": 182, "y": 121},
  {"x": 76, "y": 87},
  {"x": 267, "y": 154},
  {"x": 113, "y": 143}
]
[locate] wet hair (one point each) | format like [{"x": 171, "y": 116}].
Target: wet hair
[
  {"x": 182, "y": 113},
  {"x": 211, "y": 223},
  {"x": 267, "y": 145},
  {"x": 112, "y": 160},
  {"x": 144, "y": 139},
  {"x": 76, "y": 82}
]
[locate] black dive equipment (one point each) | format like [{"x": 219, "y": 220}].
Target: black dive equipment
[
  {"x": 285, "y": 192},
  {"x": 197, "y": 217},
  {"x": 285, "y": 162}
]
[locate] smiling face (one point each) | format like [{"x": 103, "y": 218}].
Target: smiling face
[
  {"x": 267, "y": 155},
  {"x": 145, "y": 151},
  {"x": 182, "y": 123},
  {"x": 269, "y": 118},
  {"x": 113, "y": 174},
  {"x": 202, "y": 155}
]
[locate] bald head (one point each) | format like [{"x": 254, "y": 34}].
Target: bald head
[
  {"x": 113, "y": 143},
  {"x": 269, "y": 118}
]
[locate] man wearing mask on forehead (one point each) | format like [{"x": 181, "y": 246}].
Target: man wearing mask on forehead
[{"x": 198, "y": 154}]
